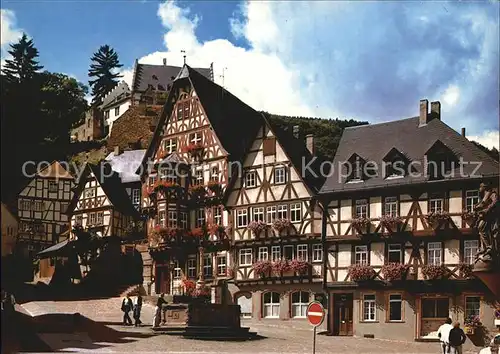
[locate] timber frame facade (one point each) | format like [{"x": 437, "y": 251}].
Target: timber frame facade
[
  {"x": 42, "y": 207},
  {"x": 400, "y": 249}
]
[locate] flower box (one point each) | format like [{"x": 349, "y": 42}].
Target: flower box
[
  {"x": 361, "y": 225},
  {"x": 395, "y": 271},
  {"x": 299, "y": 266},
  {"x": 435, "y": 219},
  {"x": 262, "y": 268},
  {"x": 280, "y": 267},
  {"x": 281, "y": 224},
  {"x": 359, "y": 273},
  {"x": 469, "y": 217},
  {"x": 257, "y": 227},
  {"x": 391, "y": 222},
  {"x": 465, "y": 270},
  {"x": 432, "y": 272},
  {"x": 215, "y": 187},
  {"x": 195, "y": 150},
  {"x": 197, "y": 232}
]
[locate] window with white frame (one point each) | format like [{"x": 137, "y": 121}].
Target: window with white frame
[
  {"x": 275, "y": 253},
  {"x": 263, "y": 254},
  {"x": 186, "y": 109},
  {"x": 472, "y": 306},
  {"x": 183, "y": 220},
  {"x": 161, "y": 218},
  {"x": 38, "y": 206},
  {"x": 168, "y": 175},
  {"x": 170, "y": 145},
  {"x": 391, "y": 206},
  {"x": 179, "y": 111},
  {"x": 99, "y": 218},
  {"x": 177, "y": 270},
  {"x": 191, "y": 268},
  {"x": 92, "y": 218},
  {"x": 195, "y": 138},
  {"x": 436, "y": 205},
  {"x": 302, "y": 252},
  {"x": 288, "y": 252},
  {"x": 282, "y": 212},
  {"x": 117, "y": 111},
  {"x": 258, "y": 214},
  {"x": 471, "y": 199},
  {"x": 241, "y": 218},
  {"x": 300, "y": 301},
  {"x": 245, "y": 257},
  {"x": 271, "y": 301},
  {"x": 89, "y": 192},
  {"x": 79, "y": 219},
  {"x": 172, "y": 219},
  {"x": 250, "y": 179},
  {"x": 217, "y": 215},
  {"x": 53, "y": 186},
  {"x": 200, "y": 217},
  {"x": 361, "y": 208},
  {"x": 295, "y": 212},
  {"x": 221, "y": 265},
  {"x": 207, "y": 266},
  {"x": 434, "y": 252},
  {"x": 25, "y": 205},
  {"x": 369, "y": 307},
  {"x": 214, "y": 174},
  {"x": 395, "y": 307},
  {"x": 271, "y": 213},
  {"x": 394, "y": 253},
  {"x": 470, "y": 250},
  {"x": 279, "y": 175},
  {"x": 361, "y": 255},
  {"x": 198, "y": 178},
  {"x": 136, "y": 196},
  {"x": 317, "y": 252}
]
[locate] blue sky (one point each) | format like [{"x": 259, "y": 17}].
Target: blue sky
[{"x": 367, "y": 60}]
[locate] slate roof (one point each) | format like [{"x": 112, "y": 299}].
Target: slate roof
[
  {"x": 373, "y": 142},
  {"x": 111, "y": 185},
  {"x": 126, "y": 163},
  {"x": 117, "y": 94},
  {"x": 148, "y": 74}
]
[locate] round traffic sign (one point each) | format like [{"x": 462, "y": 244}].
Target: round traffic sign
[{"x": 315, "y": 313}]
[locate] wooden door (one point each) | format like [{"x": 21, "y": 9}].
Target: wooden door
[
  {"x": 162, "y": 279},
  {"x": 343, "y": 306}
]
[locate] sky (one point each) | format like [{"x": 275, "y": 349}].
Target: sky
[{"x": 370, "y": 61}]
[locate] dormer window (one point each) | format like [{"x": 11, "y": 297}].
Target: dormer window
[
  {"x": 440, "y": 161},
  {"x": 354, "y": 167},
  {"x": 395, "y": 164}
]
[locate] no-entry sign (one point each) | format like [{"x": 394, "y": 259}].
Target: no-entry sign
[{"x": 315, "y": 313}]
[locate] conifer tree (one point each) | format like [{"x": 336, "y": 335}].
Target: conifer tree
[
  {"x": 23, "y": 66},
  {"x": 103, "y": 69}
]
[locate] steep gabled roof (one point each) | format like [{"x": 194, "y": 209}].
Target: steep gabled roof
[
  {"x": 55, "y": 170},
  {"x": 111, "y": 185},
  {"x": 374, "y": 141}
]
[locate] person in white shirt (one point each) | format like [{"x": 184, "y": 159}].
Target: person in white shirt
[
  {"x": 494, "y": 347},
  {"x": 443, "y": 334}
]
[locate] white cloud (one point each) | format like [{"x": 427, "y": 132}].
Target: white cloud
[
  {"x": 9, "y": 31},
  {"x": 451, "y": 95},
  {"x": 490, "y": 139}
]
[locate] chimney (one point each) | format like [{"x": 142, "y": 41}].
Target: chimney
[
  {"x": 296, "y": 130},
  {"x": 310, "y": 143},
  {"x": 424, "y": 112},
  {"x": 436, "y": 110},
  {"x": 118, "y": 151},
  {"x": 463, "y": 132},
  {"x": 165, "y": 61}
]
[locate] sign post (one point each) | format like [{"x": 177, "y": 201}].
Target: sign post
[{"x": 316, "y": 315}]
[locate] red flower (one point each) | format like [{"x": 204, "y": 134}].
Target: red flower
[
  {"x": 197, "y": 232},
  {"x": 360, "y": 272}
]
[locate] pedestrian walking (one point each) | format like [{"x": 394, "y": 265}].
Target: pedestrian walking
[
  {"x": 127, "y": 306},
  {"x": 444, "y": 334},
  {"x": 457, "y": 338},
  {"x": 137, "y": 310},
  {"x": 157, "y": 316}
]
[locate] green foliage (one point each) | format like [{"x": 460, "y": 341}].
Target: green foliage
[
  {"x": 104, "y": 64},
  {"x": 327, "y": 132},
  {"x": 23, "y": 66}
]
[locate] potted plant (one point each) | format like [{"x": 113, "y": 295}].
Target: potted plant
[
  {"x": 359, "y": 272},
  {"x": 469, "y": 217},
  {"x": 471, "y": 324},
  {"x": 465, "y": 270},
  {"x": 158, "y": 235},
  {"x": 395, "y": 271},
  {"x": 280, "y": 267},
  {"x": 188, "y": 286},
  {"x": 361, "y": 224},
  {"x": 435, "y": 219},
  {"x": 281, "y": 224},
  {"x": 391, "y": 222},
  {"x": 299, "y": 266},
  {"x": 257, "y": 227},
  {"x": 262, "y": 268},
  {"x": 433, "y": 272},
  {"x": 197, "y": 232},
  {"x": 194, "y": 149}
]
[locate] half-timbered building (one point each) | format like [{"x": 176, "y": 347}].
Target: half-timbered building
[
  {"x": 399, "y": 211},
  {"x": 42, "y": 206},
  {"x": 243, "y": 187}
]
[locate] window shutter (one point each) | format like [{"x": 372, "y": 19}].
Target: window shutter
[{"x": 269, "y": 146}]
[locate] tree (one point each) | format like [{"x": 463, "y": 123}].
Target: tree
[
  {"x": 104, "y": 63},
  {"x": 23, "y": 66}
]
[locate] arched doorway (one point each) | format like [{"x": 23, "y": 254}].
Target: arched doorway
[{"x": 245, "y": 302}]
